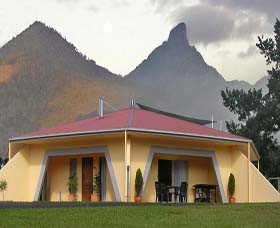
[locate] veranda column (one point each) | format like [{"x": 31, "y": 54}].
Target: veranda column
[
  {"x": 249, "y": 160},
  {"x": 127, "y": 167}
]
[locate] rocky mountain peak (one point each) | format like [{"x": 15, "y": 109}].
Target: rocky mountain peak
[
  {"x": 37, "y": 23},
  {"x": 178, "y": 34},
  {"x": 39, "y": 28}
]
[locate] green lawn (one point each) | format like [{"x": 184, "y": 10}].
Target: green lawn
[{"x": 238, "y": 215}]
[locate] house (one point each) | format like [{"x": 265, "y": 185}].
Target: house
[{"x": 165, "y": 147}]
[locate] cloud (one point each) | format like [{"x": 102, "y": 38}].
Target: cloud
[
  {"x": 252, "y": 50},
  {"x": 162, "y": 5},
  {"x": 248, "y": 25},
  {"x": 93, "y": 8},
  {"x": 270, "y": 8},
  {"x": 213, "y": 21},
  {"x": 206, "y": 24},
  {"x": 68, "y": 1},
  {"x": 86, "y": 4},
  {"x": 121, "y": 3}
]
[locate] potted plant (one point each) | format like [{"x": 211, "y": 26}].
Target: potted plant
[
  {"x": 95, "y": 196},
  {"x": 72, "y": 187},
  {"x": 138, "y": 186},
  {"x": 3, "y": 187},
  {"x": 231, "y": 188}
]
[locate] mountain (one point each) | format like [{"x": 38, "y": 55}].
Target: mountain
[
  {"x": 182, "y": 81},
  {"x": 45, "y": 80},
  {"x": 174, "y": 60}
]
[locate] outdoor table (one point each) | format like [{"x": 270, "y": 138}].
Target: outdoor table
[
  {"x": 172, "y": 190},
  {"x": 203, "y": 192}
]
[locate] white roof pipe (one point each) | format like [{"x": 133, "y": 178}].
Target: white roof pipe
[
  {"x": 132, "y": 103},
  {"x": 101, "y": 107}
]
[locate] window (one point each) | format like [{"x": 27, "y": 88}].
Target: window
[{"x": 73, "y": 167}]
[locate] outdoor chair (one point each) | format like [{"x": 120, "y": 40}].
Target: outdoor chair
[
  {"x": 182, "y": 193},
  {"x": 164, "y": 192},
  {"x": 161, "y": 192},
  {"x": 158, "y": 191}
]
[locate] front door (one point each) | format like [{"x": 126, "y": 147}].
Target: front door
[{"x": 87, "y": 178}]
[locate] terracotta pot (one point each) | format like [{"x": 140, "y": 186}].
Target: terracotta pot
[
  {"x": 231, "y": 200},
  {"x": 72, "y": 197},
  {"x": 138, "y": 199},
  {"x": 95, "y": 197}
]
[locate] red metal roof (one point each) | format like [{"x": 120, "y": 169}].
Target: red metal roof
[{"x": 133, "y": 119}]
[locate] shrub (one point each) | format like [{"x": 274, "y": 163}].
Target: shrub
[
  {"x": 138, "y": 182},
  {"x": 96, "y": 184},
  {"x": 231, "y": 185},
  {"x": 72, "y": 184},
  {"x": 3, "y": 187}
]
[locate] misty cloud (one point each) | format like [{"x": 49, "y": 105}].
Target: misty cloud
[
  {"x": 93, "y": 8},
  {"x": 206, "y": 24},
  {"x": 86, "y": 4},
  {"x": 251, "y": 51},
  {"x": 68, "y": 1},
  {"x": 270, "y": 8},
  {"x": 162, "y": 5},
  {"x": 213, "y": 21}
]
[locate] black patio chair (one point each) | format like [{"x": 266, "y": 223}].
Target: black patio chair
[
  {"x": 162, "y": 192},
  {"x": 182, "y": 193},
  {"x": 158, "y": 192}
]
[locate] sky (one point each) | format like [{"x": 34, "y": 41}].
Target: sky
[{"x": 120, "y": 34}]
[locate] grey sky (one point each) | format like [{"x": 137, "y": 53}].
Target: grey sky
[{"x": 119, "y": 34}]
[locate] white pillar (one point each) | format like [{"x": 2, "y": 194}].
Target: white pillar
[
  {"x": 127, "y": 167},
  {"x": 249, "y": 161}
]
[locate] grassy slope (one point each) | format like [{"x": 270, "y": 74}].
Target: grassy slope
[{"x": 242, "y": 215}]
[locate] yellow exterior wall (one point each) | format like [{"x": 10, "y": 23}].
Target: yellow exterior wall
[
  {"x": 230, "y": 160},
  {"x": 223, "y": 156},
  {"x": 261, "y": 189},
  {"x": 36, "y": 157},
  {"x": 149, "y": 191},
  {"x": 117, "y": 154},
  {"x": 199, "y": 170},
  {"x": 16, "y": 173},
  {"x": 110, "y": 195},
  {"x": 58, "y": 174},
  {"x": 139, "y": 156},
  {"x": 240, "y": 172},
  {"x": 25, "y": 166}
]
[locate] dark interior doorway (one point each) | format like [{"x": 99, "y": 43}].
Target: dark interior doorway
[{"x": 165, "y": 171}]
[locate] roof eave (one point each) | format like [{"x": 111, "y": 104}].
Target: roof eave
[
  {"x": 65, "y": 135},
  {"x": 85, "y": 133},
  {"x": 127, "y": 129}
]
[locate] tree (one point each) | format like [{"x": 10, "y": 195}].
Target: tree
[{"x": 258, "y": 113}]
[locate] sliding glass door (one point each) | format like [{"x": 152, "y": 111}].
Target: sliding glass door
[{"x": 179, "y": 172}]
